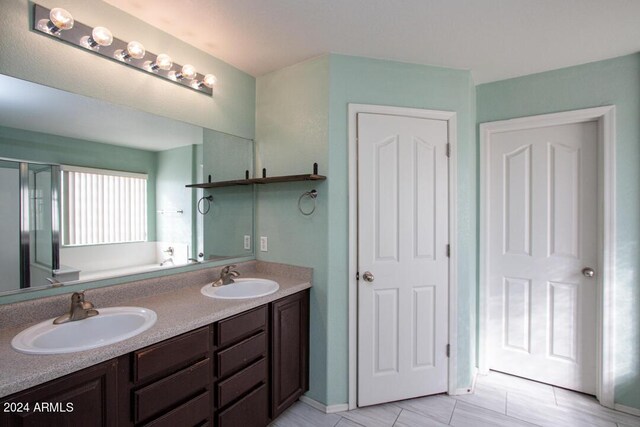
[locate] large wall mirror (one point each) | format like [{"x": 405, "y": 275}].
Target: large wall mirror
[{"x": 91, "y": 190}]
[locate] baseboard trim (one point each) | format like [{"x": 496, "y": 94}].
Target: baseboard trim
[
  {"x": 627, "y": 409},
  {"x": 331, "y": 409}
]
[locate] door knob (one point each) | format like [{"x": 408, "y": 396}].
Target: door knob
[
  {"x": 368, "y": 276},
  {"x": 588, "y": 272}
]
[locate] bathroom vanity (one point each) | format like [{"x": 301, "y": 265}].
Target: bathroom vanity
[{"x": 243, "y": 369}]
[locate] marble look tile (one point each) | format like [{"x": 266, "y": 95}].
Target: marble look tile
[
  {"x": 466, "y": 415},
  {"x": 487, "y": 397},
  {"x": 628, "y": 425},
  {"x": 411, "y": 419},
  {"x": 438, "y": 407},
  {"x": 511, "y": 384},
  {"x": 531, "y": 410},
  {"x": 344, "y": 422},
  {"x": 300, "y": 414},
  {"x": 373, "y": 416},
  {"x": 589, "y": 404}
]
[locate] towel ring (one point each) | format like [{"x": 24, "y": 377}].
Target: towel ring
[
  {"x": 209, "y": 199},
  {"x": 313, "y": 194}
]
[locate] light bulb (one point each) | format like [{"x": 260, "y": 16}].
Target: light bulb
[
  {"x": 102, "y": 36},
  {"x": 163, "y": 61},
  {"x": 61, "y": 19},
  {"x": 188, "y": 72},
  {"x": 136, "y": 50},
  {"x": 210, "y": 80}
]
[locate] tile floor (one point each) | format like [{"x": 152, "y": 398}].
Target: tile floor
[{"x": 499, "y": 400}]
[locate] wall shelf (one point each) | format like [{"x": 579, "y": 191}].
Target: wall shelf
[{"x": 270, "y": 180}]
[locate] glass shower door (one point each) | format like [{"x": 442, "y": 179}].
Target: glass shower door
[
  {"x": 29, "y": 224},
  {"x": 42, "y": 191},
  {"x": 9, "y": 226}
]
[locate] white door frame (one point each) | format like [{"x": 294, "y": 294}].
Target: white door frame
[
  {"x": 605, "y": 117},
  {"x": 451, "y": 119}
]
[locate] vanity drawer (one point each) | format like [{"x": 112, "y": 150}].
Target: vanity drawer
[
  {"x": 170, "y": 355},
  {"x": 240, "y": 326},
  {"x": 193, "y": 413},
  {"x": 251, "y": 411},
  {"x": 237, "y": 356},
  {"x": 233, "y": 387},
  {"x": 156, "y": 398}
]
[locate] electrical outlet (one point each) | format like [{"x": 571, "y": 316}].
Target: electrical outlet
[
  {"x": 264, "y": 244},
  {"x": 247, "y": 242}
]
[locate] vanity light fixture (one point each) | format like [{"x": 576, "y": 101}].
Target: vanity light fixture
[{"x": 60, "y": 24}]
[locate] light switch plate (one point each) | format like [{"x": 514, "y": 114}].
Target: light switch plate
[
  {"x": 247, "y": 242},
  {"x": 264, "y": 244}
]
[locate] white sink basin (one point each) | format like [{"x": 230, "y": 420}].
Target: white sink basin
[
  {"x": 242, "y": 289},
  {"x": 110, "y": 326}
]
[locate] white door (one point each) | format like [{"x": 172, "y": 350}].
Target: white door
[
  {"x": 402, "y": 243},
  {"x": 543, "y": 234}
]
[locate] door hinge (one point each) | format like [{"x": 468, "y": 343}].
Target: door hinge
[
  {"x": 448, "y": 150},
  {"x": 357, "y": 275},
  {"x": 448, "y": 251},
  {"x": 448, "y": 350}
]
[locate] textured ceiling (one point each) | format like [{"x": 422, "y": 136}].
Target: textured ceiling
[{"x": 495, "y": 39}]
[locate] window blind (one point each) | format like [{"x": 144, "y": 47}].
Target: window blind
[{"x": 101, "y": 206}]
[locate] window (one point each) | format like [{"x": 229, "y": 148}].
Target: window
[{"x": 103, "y": 206}]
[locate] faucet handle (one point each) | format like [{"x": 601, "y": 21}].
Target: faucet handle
[{"x": 227, "y": 268}]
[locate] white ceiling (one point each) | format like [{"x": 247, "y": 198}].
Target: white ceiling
[
  {"x": 495, "y": 39},
  {"x": 31, "y": 106}
]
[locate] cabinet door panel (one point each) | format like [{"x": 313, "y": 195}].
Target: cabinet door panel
[
  {"x": 84, "y": 398},
  {"x": 290, "y": 350}
]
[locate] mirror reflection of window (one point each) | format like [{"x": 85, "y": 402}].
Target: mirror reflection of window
[{"x": 103, "y": 207}]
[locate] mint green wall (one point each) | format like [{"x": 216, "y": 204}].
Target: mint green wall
[
  {"x": 174, "y": 171},
  {"x": 291, "y": 134},
  {"x": 301, "y": 119},
  {"x": 41, "y": 147},
  {"x": 371, "y": 81},
  {"x": 38, "y": 58},
  {"x": 612, "y": 82}
]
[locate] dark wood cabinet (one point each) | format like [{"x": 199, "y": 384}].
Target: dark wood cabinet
[
  {"x": 84, "y": 398},
  {"x": 241, "y": 371},
  {"x": 171, "y": 380},
  {"x": 289, "y": 350}
]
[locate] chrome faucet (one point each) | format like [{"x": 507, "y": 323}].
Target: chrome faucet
[
  {"x": 170, "y": 259},
  {"x": 80, "y": 309},
  {"x": 55, "y": 283},
  {"x": 226, "y": 276}
]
